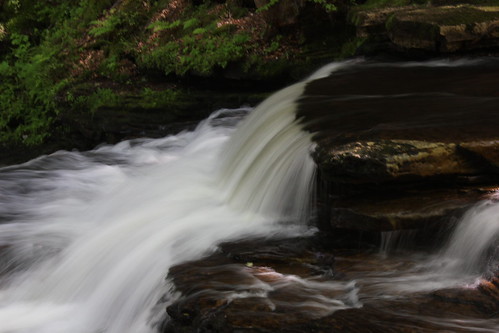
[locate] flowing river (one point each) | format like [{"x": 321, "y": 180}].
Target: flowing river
[{"x": 87, "y": 238}]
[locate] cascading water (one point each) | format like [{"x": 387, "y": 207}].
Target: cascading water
[
  {"x": 470, "y": 254},
  {"x": 86, "y": 239},
  {"x": 89, "y": 237},
  {"x": 474, "y": 245}
]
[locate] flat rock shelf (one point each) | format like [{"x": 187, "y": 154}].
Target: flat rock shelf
[{"x": 402, "y": 144}]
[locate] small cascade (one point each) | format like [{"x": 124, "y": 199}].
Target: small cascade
[
  {"x": 393, "y": 241},
  {"x": 474, "y": 246}
]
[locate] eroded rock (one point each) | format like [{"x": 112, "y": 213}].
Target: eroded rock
[{"x": 402, "y": 147}]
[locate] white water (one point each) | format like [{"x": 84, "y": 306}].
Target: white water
[
  {"x": 474, "y": 245},
  {"x": 88, "y": 237}
]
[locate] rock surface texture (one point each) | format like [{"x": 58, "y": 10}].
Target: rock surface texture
[
  {"x": 292, "y": 285},
  {"x": 432, "y": 29},
  {"x": 404, "y": 146}
]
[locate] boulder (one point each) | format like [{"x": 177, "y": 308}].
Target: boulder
[{"x": 432, "y": 29}]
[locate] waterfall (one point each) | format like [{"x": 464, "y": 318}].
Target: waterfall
[
  {"x": 267, "y": 167},
  {"x": 87, "y": 238}
]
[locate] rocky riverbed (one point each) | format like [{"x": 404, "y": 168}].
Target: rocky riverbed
[
  {"x": 403, "y": 146},
  {"x": 320, "y": 284},
  {"x": 403, "y": 151}
]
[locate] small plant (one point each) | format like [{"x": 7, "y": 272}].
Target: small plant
[
  {"x": 162, "y": 25},
  {"x": 328, "y": 5},
  {"x": 190, "y": 23},
  {"x": 106, "y": 26}
]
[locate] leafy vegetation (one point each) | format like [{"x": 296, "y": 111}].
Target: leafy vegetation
[
  {"x": 63, "y": 55},
  {"x": 41, "y": 40}
]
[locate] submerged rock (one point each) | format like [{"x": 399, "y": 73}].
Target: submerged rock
[
  {"x": 256, "y": 285},
  {"x": 301, "y": 285}
]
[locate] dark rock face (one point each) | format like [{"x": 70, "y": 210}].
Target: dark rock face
[
  {"x": 432, "y": 29},
  {"x": 410, "y": 209},
  {"x": 404, "y": 146}
]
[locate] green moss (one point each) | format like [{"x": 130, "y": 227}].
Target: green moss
[
  {"x": 390, "y": 21},
  {"x": 154, "y": 99},
  {"x": 194, "y": 43},
  {"x": 350, "y": 48}
]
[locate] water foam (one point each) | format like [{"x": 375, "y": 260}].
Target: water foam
[
  {"x": 88, "y": 237},
  {"x": 474, "y": 245}
]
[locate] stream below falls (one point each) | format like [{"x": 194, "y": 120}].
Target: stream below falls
[{"x": 87, "y": 239}]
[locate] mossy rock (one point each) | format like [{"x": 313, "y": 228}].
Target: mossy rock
[{"x": 432, "y": 29}]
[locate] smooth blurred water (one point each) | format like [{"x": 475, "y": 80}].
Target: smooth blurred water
[{"x": 87, "y": 238}]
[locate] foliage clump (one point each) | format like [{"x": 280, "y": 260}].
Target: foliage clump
[
  {"x": 64, "y": 56},
  {"x": 196, "y": 43}
]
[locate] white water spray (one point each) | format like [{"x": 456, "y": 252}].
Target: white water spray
[
  {"x": 474, "y": 245},
  {"x": 89, "y": 237}
]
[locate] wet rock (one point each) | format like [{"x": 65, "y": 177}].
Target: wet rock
[
  {"x": 255, "y": 285},
  {"x": 224, "y": 293},
  {"x": 480, "y": 299},
  {"x": 392, "y": 159},
  {"x": 487, "y": 151},
  {"x": 442, "y": 171},
  {"x": 403, "y": 147},
  {"x": 398, "y": 210}
]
